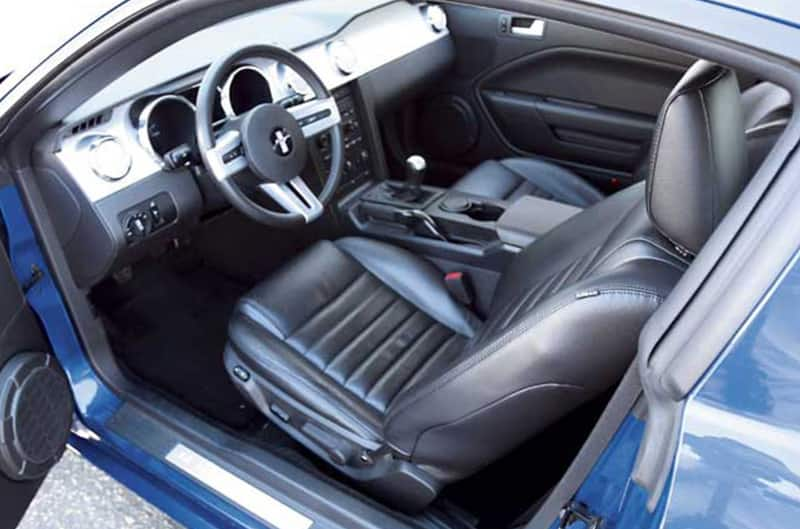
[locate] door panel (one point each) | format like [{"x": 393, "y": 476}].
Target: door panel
[
  {"x": 579, "y": 105},
  {"x": 570, "y": 131},
  {"x": 580, "y": 97},
  {"x": 35, "y": 399}
]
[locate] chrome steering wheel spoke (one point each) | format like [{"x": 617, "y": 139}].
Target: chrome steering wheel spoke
[
  {"x": 295, "y": 197},
  {"x": 227, "y": 157},
  {"x": 316, "y": 116}
]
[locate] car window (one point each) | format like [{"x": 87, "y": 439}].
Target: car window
[{"x": 30, "y": 30}]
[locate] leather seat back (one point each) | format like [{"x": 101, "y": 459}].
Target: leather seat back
[{"x": 566, "y": 317}]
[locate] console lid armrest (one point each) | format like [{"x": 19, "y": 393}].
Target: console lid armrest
[{"x": 528, "y": 218}]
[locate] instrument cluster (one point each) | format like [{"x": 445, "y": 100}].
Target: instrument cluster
[{"x": 165, "y": 123}]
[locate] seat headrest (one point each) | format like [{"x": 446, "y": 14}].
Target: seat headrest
[
  {"x": 764, "y": 103},
  {"x": 699, "y": 159}
]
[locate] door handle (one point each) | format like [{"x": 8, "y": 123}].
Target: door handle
[
  {"x": 527, "y": 27},
  {"x": 524, "y": 27}
]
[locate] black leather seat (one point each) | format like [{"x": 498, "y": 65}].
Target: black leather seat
[
  {"x": 512, "y": 178},
  {"x": 766, "y": 109},
  {"x": 356, "y": 349}
]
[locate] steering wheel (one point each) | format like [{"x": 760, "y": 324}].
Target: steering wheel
[{"x": 270, "y": 141}]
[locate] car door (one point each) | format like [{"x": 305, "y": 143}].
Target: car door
[
  {"x": 35, "y": 397},
  {"x": 526, "y": 86}
]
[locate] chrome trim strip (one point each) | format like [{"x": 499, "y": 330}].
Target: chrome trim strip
[{"x": 236, "y": 490}]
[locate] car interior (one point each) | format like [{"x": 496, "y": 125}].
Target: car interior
[{"x": 411, "y": 257}]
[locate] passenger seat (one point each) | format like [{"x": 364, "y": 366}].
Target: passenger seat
[{"x": 766, "y": 108}]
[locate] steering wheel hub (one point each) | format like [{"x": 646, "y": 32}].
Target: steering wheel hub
[{"x": 274, "y": 143}]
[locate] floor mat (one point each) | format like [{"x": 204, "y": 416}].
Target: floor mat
[{"x": 168, "y": 325}]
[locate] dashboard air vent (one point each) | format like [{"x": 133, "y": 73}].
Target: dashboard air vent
[{"x": 91, "y": 122}]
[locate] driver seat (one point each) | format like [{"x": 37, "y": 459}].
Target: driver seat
[{"x": 356, "y": 349}]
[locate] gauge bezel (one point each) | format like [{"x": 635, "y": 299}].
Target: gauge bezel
[
  {"x": 436, "y": 17},
  {"x": 343, "y": 56},
  {"x": 96, "y": 143},
  {"x": 225, "y": 91},
  {"x": 142, "y": 131}
]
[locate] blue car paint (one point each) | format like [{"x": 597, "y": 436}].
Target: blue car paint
[
  {"x": 738, "y": 464},
  {"x": 171, "y": 491},
  {"x": 94, "y": 401},
  {"x": 757, "y": 9},
  {"x": 738, "y": 460},
  {"x": 608, "y": 490}
]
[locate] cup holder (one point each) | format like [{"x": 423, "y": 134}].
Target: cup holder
[
  {"x": 484, "y": 212},
  {"x": 476, "y": 210}
]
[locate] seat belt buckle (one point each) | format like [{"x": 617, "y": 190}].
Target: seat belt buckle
[{"x": 459, "y": 287}]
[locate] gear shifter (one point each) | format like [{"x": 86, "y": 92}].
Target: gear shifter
[
  {"x": 410, "y": 190},
  {"x": 415, "y": 174}
]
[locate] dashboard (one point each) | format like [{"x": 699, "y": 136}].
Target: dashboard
[{"x": 122, "y": 172}]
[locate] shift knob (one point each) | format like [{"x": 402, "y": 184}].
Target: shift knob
[{"x": 415, "y": 172}]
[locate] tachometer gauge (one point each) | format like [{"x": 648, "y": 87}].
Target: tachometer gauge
[{"x": 246, "y": 88}]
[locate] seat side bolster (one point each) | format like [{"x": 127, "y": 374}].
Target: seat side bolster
[
  {"x": 528, "y": 375},
  {"x": 414, "y": 279}
]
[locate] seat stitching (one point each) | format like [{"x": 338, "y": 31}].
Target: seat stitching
[
  {"x": 361, "y": 333},
  {"x": 343, "y": 322},
  {"x": 319, "y": 311},
  {"x": 392, "y": 333},
  {"x": 537, "y": 288},
  {"x": 418, "y": 373},
  {"x": 400, "y": 359}
]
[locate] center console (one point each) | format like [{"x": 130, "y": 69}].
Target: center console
[
  {"x": 452, "y": 225},
  {"x": 358, "y": 164}
]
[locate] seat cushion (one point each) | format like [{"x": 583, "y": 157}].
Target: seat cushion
[
  {"x": 346, "y": 327},
  {"x": 512, "y": 178}
]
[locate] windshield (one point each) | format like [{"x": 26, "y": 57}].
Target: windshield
[{"x": 30, "y": 30}]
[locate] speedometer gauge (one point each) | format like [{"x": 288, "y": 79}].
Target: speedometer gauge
[{"x": 166, "y": 123}]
